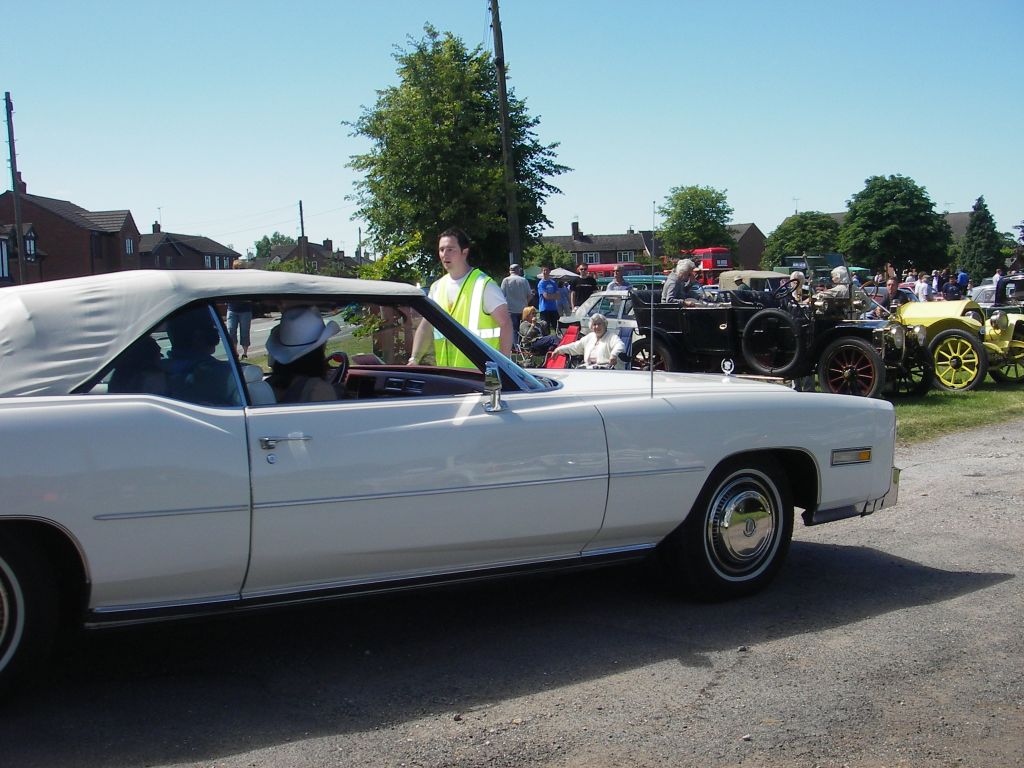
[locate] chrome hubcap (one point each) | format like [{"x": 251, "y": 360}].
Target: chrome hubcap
[{"x": 742, "y": 527}]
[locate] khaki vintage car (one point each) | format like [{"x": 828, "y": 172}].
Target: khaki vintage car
[{"x": 964, "y": 346}]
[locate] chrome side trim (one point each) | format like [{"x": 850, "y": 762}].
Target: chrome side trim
[
  {"x": 631, "y": 549},
  {"x": 420, "y": 493},
  {"x": 694, "y": 467},
  {"x": 171, "y": 512}
]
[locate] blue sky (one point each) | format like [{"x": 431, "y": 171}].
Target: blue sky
[{"x": 217, "y": 117}]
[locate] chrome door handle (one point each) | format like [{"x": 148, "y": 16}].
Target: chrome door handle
[{"x": 270, "y": 443}]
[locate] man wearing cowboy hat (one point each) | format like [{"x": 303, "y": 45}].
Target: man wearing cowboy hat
[{"x": 296, "y": 348}]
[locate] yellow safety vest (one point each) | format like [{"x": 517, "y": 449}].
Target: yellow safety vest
[{"x": 468, "y": 311}]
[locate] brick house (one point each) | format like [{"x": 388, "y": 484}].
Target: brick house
[
  {"x": 750, "y": 242},
  {"x": 318, "y": 257},
  {"x": 169, "y": 250},
  {"x": 606, "y": 249},
  {"x": 610, "y": 249},
  {"x": 65, "y": 240}
]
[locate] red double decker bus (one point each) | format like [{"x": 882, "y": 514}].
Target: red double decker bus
[
  {"x": 605, "y": 270},
  {"x": 711, "y": 262}
]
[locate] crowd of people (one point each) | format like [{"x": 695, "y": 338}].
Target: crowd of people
[{"x": 514, "y": 314}]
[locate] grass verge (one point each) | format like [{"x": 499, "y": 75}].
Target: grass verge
[{"x": 941, "y": 413}]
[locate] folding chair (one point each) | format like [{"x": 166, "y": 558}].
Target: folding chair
[
  {"x": 626, "y": 336},
  {"x": 562, "y": 361}
]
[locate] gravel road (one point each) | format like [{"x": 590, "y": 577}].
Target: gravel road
[{"x": 894, "y": 640}]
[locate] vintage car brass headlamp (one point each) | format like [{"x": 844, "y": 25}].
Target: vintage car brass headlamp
[
  {"x": 899, "y": 334},
  {"x": 921, "y": 334},
  {"x": 999, "y": 320}
]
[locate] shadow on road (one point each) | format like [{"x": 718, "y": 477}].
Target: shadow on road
[{"x": 192, "y": 692}]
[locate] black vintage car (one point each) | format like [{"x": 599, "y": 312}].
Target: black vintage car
[{"x": 770, "y": 333}]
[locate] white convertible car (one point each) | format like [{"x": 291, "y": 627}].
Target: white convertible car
[{"x": 136, "y": 489}]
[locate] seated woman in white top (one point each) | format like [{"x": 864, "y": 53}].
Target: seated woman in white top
[
  {"x": 297, "y": 350},
  {"x": 600, "y": 348}
]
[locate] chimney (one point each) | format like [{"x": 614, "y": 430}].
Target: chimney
[
  {"x": 575, "y": 230},
  {"x": 629, "y": 230},
  {"x": 156, "y": 227},
  {"x": 328, "y": 245},
  {"x": 22, "y": 187}
]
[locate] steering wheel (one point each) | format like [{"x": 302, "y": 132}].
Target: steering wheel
[
  {"x": 339, "y": 370},
  {"x": 786, "y": 287},
  {"x": 874, "y": 302}
]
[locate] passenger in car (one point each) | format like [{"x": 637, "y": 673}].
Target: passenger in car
[
  {"x": 137, "y": 369},
  {"x": 297, "y": 349},
  {"x": 193, "y": 373},
  {"x": 680, "y": 285}
]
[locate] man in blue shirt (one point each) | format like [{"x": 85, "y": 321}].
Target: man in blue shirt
[{"x": 547, "y": 298}]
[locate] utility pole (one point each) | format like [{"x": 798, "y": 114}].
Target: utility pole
[
  {"x": 302, "y": 237},
  {"x": 359, "y": 248},
  {"x": 19, "y": 238},
  {"x": 512, "y": 210}
]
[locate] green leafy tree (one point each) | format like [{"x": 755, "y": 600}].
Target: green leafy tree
[
  {"x": 806, "y": 232},
  {"x": 893, "y": 220},
  {"x": 981, "y": 248},
  {"x": 436, "y": 161},
  {"x": 397, "y": 264},
  {"x": 264, "y": 245},
  {"x": 695, "y": 217},
  {"x": 539, "y": 254}
]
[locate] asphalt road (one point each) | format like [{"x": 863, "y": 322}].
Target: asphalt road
[{"x": 894, "y": 640}]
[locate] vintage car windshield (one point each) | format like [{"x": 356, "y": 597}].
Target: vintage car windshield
[{"x": 188, "y": 355}]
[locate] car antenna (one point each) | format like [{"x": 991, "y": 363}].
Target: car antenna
[{"x": 650, "y": 341}]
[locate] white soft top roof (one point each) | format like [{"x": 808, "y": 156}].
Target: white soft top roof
[{"x": 54, "y": 335}]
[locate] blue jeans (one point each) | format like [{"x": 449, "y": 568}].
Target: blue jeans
[{"x": 238, "y": 328}]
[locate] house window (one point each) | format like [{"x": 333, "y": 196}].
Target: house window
[
  {"x": 129, "y": 246},
  {"x": 30, "y": 247},
  {"x": 623, "y": 256},
  {"x": 4, "y": 266},
  {"x": 207, "y": 262},
  {"x": 591, "y": 257}
]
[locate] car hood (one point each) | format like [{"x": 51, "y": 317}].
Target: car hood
[
  {"x": 923, "y": 312},
  {"x": 619, "y": 383}
]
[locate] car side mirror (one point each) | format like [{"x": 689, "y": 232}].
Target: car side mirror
[{"x": 492, "y": 388}]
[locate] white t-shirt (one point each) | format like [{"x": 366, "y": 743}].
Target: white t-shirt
[{"x": 493, "y": 297}]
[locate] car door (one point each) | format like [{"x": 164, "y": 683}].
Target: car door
[
  {"x": 362, "y": 490},
  {"x": 153, "y": 477}
]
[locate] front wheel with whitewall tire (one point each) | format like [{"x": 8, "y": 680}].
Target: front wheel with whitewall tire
[
  {"x": 737, "y": 535},
  {"x": 29, "y": 609}
]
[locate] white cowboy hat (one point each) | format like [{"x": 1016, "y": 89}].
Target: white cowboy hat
[{"x": 301, "y": 330}]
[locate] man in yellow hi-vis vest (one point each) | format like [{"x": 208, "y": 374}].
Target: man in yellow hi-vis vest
[{"x": 471, "y": 298}]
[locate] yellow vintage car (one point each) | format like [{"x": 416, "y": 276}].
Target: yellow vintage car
[{"x": 965, "y": 346}]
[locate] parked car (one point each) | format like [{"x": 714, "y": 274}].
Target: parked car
[
  {"x": 767, "y": 333},
  {"x": 1005, "y": 296},
  {"x": 150, "y": 474},
  {"x": 635, "y": 281},
  {"x": 757, "y": 280},
  {"x": 964, "y": 346},
  {"x": 616, "y": 306},
  {"x": 876, "y": 292}
]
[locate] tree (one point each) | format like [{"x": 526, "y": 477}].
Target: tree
[
  {"x": 264, "y": 245},
  {"x": 695, "y": 217},
  {"x": 807, "y": 232},
  {"x": 540, "y": 254},
  {"x": 981, "y": 248},
  {"x": 436, "y": 157},
  {"x": 893, "y": 220}
]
